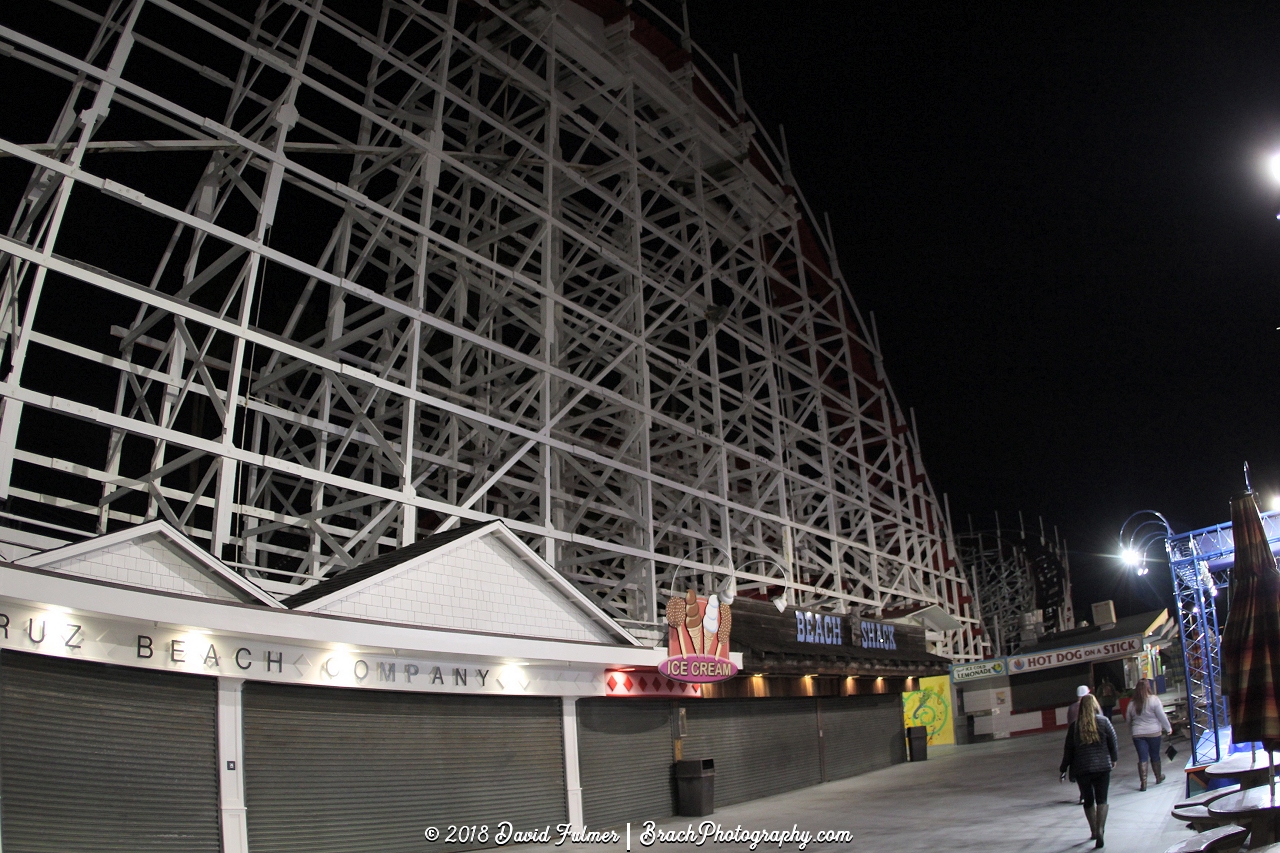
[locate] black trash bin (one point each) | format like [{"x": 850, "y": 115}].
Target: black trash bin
[
  {"x": 917, "y": 743},
  {"x": 695, "y": 787}
]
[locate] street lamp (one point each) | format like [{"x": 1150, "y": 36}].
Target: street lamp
[
  {"x": 1273, "y": 167},
  {"x": 1195, "y": 591},
  {"x": 780, "y": 601},
  {"x": 728, "y": 591},
  {"x": 1138, "y": 533}
]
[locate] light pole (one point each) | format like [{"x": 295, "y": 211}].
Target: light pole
[
  {"x": 1195, "y": 593},
  {"x": 780, "y": 601},
  {"x": 1138, "y": 533},
  {"x": 729, "y": 590}
]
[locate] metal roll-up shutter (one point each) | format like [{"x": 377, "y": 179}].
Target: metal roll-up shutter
[
  {"x": 1049, "y": 688},
  {"x": 861, "y": 733},
  {"x": 761, "y": 747},
  {"x": 328, "y": 769},
  {"x": 106, "y": 758},
  {"x": 624, "y": 757}
]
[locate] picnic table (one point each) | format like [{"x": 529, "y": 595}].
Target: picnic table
[
  {"x": 1251, "y": 768},
  {"x": 1258, "y": 808}
]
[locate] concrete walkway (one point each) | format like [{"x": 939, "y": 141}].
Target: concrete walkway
[{"x": 1002, "y": 796}]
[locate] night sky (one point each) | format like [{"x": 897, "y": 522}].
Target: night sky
[{"x": 1061, "y": 217}]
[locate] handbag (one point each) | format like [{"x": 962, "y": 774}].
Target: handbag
[{"x": 1170, "y": 752}]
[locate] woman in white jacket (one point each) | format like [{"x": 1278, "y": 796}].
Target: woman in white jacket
[{"x": 1147, "y": 722}]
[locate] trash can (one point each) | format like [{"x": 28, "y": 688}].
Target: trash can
[
  {"x": 917, "y": 743},
  {"x": 695, "y": 787}
]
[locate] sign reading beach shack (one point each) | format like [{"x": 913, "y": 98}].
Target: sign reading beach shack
[{"x": 697, "y": 640}]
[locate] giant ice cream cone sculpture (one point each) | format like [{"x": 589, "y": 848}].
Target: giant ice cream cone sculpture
[
  {"x": 726, "y": 622},
  {"x": 675, "y": 618},
  {"x": 697, "y": 640},
  {"x": 711, "y": 626},
  {"x": 693, "y": 621}
]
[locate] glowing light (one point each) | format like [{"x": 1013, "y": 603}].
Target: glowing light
[
  {"x": 1273, "y": 166},
  {"x": 1131, "y": 557},
  {"x": 1274, "y": 503}
]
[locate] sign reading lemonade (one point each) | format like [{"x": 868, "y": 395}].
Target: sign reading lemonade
[{"x": 697, "y": 640}]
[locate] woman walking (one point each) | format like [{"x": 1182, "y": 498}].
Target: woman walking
[
  {"x": 1147, "y": 722},
  {"x": 1090, "y": 750}
]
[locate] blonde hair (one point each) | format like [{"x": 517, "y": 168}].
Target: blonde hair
[{"x": 1087, "y": 722}]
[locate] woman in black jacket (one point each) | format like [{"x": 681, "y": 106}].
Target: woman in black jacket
[{"x": 1090, "y": 751}]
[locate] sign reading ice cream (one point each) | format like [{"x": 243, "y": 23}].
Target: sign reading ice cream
[{"x": 697, "y": 640}]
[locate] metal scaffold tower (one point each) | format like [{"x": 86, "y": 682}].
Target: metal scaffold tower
[
  {"x": 1023, "y": 583},
  {"x": 311, "y": 280},
  {"x": 1201, "y": 562}
]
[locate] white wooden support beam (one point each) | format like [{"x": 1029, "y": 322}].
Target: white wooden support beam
[
  {"x": 572, "y": 775},
  {"x": 235, "y": 826}
]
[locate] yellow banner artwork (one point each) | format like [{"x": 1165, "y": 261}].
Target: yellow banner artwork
[{"x": 930, "y": 706}]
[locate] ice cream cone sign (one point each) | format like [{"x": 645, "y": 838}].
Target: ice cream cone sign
[
  {"x": 697, "y": 640},
  {"x": 693, "y": 619},
  {"x": 711, "y": 626}
]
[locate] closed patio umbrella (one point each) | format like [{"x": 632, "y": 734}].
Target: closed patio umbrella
[{"x": 1251, "y": 639}]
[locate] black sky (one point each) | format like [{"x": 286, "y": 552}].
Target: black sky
[{"x": 1060, "y": 215}]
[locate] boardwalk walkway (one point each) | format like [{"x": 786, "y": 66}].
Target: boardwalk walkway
[{"x": 1000, "y": 797}]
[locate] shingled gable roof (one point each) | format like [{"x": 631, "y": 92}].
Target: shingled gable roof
[
  {"x": 93, "y": 558},
  {"x": 380, "y": 564},
  {"x": 386, "y": 567}
]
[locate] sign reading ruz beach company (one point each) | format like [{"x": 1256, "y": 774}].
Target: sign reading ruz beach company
[
  {"x": 697, "y": 640},
  {"x": 27, "y": 627},
  {"x": 1078, "y": 654},
  {"x": 980, "y": 669}
]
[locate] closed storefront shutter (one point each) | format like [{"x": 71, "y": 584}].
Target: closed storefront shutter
[
  {"x": 106, "y": 758},
  {"x": 329, "y": 770},
  {"x": 862, "y": 733},
  {"x": 1050, "y": 688},
  {"x": 760, "y": 746},
  {"x": 624, "y": 749}
]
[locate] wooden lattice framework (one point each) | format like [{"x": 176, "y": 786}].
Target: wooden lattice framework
[{"x": 313, "y": 279}]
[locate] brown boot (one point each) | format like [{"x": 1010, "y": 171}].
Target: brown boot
[
  {"x": 1155, "y": 768},
  {"x": 1142, "y": 775}
]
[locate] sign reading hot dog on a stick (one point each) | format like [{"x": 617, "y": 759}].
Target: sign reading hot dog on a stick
[{"x": 697, "y": 640}]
